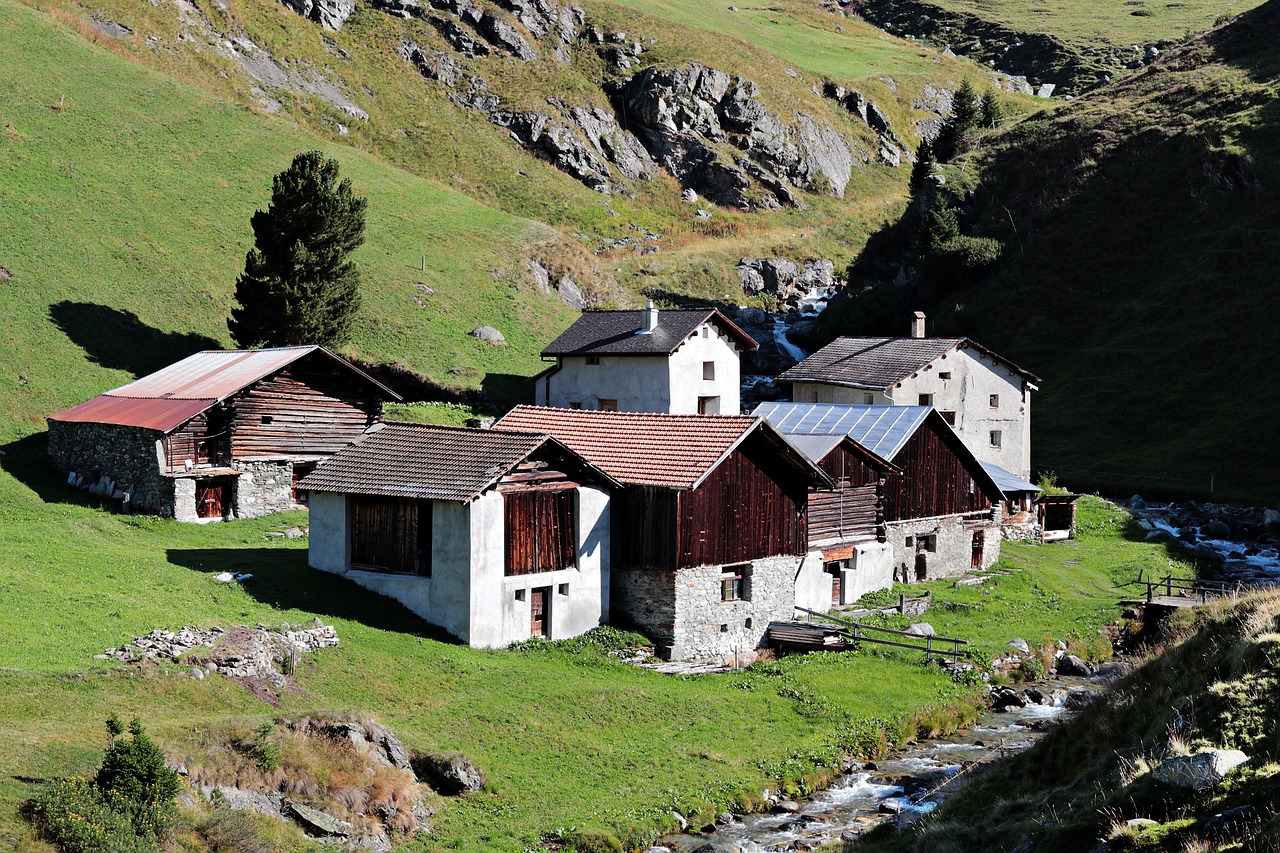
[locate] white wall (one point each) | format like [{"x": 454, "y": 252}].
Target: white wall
[
  {"x": 817, "y": 392},
  {"x": 638, "y": 383},
  {"x": 813, "y": 585},
  {"x": 870, "y": 568},
  {"x": 687, "y": 383},
  {"x": 657, "y": 383}
]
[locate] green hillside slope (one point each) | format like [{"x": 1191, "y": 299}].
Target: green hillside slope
[{"x": 1141, "y": 242}]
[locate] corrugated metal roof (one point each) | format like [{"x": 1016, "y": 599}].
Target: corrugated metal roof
[
  {"x": 1008, "y": 481},
  {"x": 880, "y": 363},
  {"x": 424, "y": 461},
  {"x": 171, "y": 396},
  {"x": 881, "y": 429},
  {"x": 615, "y": 332}
]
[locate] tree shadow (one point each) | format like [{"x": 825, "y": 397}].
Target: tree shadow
[
  {"x": 282, "y": 580},
  {"x": 26, "y": 461},
  {"x": 504, "y": 391},
  {"x": 120, "y": 340}
]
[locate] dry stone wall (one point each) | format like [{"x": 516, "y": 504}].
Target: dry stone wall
[{"x": 112, "y": 462}]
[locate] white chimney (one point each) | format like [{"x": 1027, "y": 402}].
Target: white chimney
[
  {"x": 648, "y": 319},
  {"x": 917, "y": 324}
]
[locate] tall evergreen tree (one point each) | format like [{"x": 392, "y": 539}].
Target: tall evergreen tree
[
  {"x": 952, "y": 138},
  {"x": 298, "y": 285},
  {"x": 921, "y": 169},
  {"x": 992, "y": 112}
]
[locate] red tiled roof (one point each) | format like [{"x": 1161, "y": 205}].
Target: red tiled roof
[
  {"x": 171, "y": 396},
  {"x": 639, "y": 448}
]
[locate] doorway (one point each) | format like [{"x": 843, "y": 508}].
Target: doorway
[
  {"x": 210, "y": 498},
  {"x": 540, "y": 612}
]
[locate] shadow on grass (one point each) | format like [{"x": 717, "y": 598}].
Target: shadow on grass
[
  {"x": 121, "y": 341},
  {"x": 505, "y": 391},
  {"x": 26, "y": 461},
  {"x": 282, "y": 580}
]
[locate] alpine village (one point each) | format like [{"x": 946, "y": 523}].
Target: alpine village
[{"x": 606, "y": 426}]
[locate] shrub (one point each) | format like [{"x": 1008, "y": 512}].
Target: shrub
[
  {"x": 73, "y": 814},
  {"x": 264, "y": 751},
  {"x": 134, "y": 781},
  {"x": 228, "y": 831},
  {"x": 1031, "y": 669},
  {"x": 595, "y": 841}
]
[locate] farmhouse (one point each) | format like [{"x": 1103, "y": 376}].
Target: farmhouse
[
  {"x": 220, "y": 434},
  {"x": 941, "y": 508},
  {"x": 709, "y": 533},
  {"x": 493, "y": 536},
  {"x": 985, "y": 397},
  {"x": 682, "y": 361}
]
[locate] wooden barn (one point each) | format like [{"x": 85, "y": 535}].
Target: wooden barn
[
  {"x": 710, "y": 531},
  {"x": 941, "y": 508},
  {"x": 494, "y": 536},
  {"x": 220, "y": 434}
]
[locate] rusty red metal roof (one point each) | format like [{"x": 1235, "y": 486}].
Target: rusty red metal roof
[{"x": 171, "y": 396}]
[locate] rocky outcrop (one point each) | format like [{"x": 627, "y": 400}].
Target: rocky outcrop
[
  {"x": 785, "y": 280},
  {"x": 715, "y": 135},
  {"x": 1200, "y": 771},
  {"x": 450, "y": 773},
  {"x": 891, "y": 149},
  {"x": 330, "y": 14}
]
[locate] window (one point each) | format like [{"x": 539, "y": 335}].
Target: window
[
  {"x": 708, "y": 370},
  {"x": 708, "y": 405},
  {"x": 593, "y": 359},
  {"x": 927, "y": 543},
  {"x": 734, "y": 582},
  {"x": 995, "y": 438},
  {"x": 541, "y": 531},
  {"x": 519, "y": 595},
  {"x": 391, "y": 535},
  {"x": 266, "y": 419},
  {"x": 949, "y": 417},
  {"x": 575, "y": 405},
  {"x": 909, "y": 542},
  {"x": 608, "y": 405},
  {"x": 562, "y": 589},
  {"x": 926, "y": 399},
  {"x": 706, "y": 331},
  {"x": 946, "y": 374},
  {"x": 994, "y": 401},
  {"x": 868, "y": 399}
]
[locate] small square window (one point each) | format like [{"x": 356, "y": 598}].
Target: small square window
[
  {"x": 995, "y": 438},
  {"x": 575, "y": 405},
  {"x": 608, "y": 405},
  {"x": 909, "y": 542},
  {"x": 926, "y": 399},
  {"x": 563, "y": 589},
  {"x": 519, "y": 595},
  {"x": 868, "y": 399},
  {"x": 928, "y": 543},
  {"x": 994, "y": 401},
  {"x": 593, "y": 359},
  {"x": 949, "y": 417},
  {"x": 266, "y": 419},
  {"x": 708, "y": 370},
  {"x": 733, "y": 583},
  {"x": 946, "y": 374}
]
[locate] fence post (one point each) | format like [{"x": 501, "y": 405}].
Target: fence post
[
  {"x": 1168, "y": 585},
  {"x": 902, "y": 603},
  {"x": 928, "y": 647}
]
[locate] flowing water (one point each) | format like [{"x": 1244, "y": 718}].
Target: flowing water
[{"x": 899, "y": 788}]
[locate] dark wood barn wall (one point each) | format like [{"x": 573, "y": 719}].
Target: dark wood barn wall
[
  {"x": 853, "y": 512},
  {"x": 746, "y": 509},
  {"x": 934, "y": 480},
  {"x": 643, "y": 528},
  {"x": 305, "y": 410}
]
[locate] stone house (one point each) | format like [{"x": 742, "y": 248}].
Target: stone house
[
  {"x": 941, "y": 508},
  {"x": 221, "y": 434},
  {"x": 709, "y": 536},
  {"x": 494, "y": 536},
  {"x": 985, "y": 397},
  {"x": 684, "y": 361}
]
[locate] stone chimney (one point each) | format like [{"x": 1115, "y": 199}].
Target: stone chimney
[
  {"x": 917, "y": 324},
  {"x": 648, "y": 319}
]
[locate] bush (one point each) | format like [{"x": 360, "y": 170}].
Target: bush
[
  {"x": 963, "y": 260},
  {"x": 1031, "y": 669},
  {"x": 134, "y": 781},
  {"x": 73, "y": 814},
  {"x": 232, "y": 832},
  {"x": 595, "y": 841}
]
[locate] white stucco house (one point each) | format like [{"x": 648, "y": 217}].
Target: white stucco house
[
  {"x": 684, "y": 361},
  {"x": 985, "y": 397},
  {"x": 493, "y": 536}
]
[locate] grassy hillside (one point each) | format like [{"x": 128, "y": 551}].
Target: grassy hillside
[
  {"x": 1211, "y": 687},
  {"x": 1139, "y": 227}
]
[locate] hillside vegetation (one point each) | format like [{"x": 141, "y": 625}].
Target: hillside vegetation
[{"x": 1140, "y": 244}]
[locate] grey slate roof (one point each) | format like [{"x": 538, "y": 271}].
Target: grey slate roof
[
  {"x": 425, "y": 461},
  {"x": 614, "y": 333},
  {"x": 879, "y": 363},
  {"x": 1007, "y": 481},
  {"x": 881, "y": 429}
]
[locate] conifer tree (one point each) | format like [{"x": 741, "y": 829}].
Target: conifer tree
[
  {"x": 952, "y": 137},
  {"x": 992, "y": 112},
  {"x": 299, "y": 285},
  {"x": 922, "y": 168}
]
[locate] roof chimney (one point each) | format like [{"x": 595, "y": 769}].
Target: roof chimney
[
  {"x": 917, "y": 324},
  {"x": 648, "y": 319}
]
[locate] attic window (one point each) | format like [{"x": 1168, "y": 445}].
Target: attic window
[
  {"x": 608, "y": 405},
  {"x": 946, "y": 374},
  {"x": 995, "y": 401},
  {"x": 868, "y": 399},
  {"x": 706, "y": 331},
  {"x": 593, "y": 359},
  {"x": 926, "y": 399},
  {"x": 949, "y": 417},
  {"x": 708, "y": 370}
]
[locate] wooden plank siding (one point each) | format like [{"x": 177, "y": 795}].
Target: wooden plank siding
[
  {"x": 541, "y": 530},
  {"x": 748, "y": 508},
  {"x": 934, "y": 480},
  {"x": 391, "y": 534},
  {"x": 307, "y": 409},
  {"x": 854, "y": 511},
  {"x": 643, "y": 528}
]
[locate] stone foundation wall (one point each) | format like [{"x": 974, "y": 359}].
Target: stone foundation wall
[
  {"x": 953, "y": 553},
  {"x": 645, "y": 600},
  {"x": 264, "y": 487},
  {"x": 112, "y": 462}
]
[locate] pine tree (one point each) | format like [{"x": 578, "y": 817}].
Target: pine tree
[
  {"x": 298, "y": 285},
  {"x": 922, "y": 168},
  {"x": 134, "y": 780},
  {"x": 952, "y": 138},
  {"x": 992, "y": 112}
]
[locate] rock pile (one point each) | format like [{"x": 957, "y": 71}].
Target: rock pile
[{"x": 1241, "y": 544}]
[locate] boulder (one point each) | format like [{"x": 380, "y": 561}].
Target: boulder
[
  {"x": 718, "y": 847},
  {"x": 1136, "y": 502},
  {"x": 921, "y": 629},
  {"x": 1227, "y": 823},
  {"x": 1216, "y": 529},
  {"x": 449, "y": 773},
  {"x": 488, "y": 333},
  {"x": 1078, "y": 699},
  {"x": 1200, "y": 771},
  {"x": 1270, "y": 519},
  {"x": 1072, "y": 665},
  {"x": 330, "y": 14},
  {"x": 1021, "y": 645},
  {"x": 315, "y": 821},
  {"x": 786, "y": 807},
  {"x": 499, "y": 32},
  {"x": 1003, "y": 699}
]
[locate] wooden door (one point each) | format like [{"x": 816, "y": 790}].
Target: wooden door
[
  {"x": 978, "y": 541},
  {"x": 539, "y": 617},
  {"x": 209, "y": 498}
]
